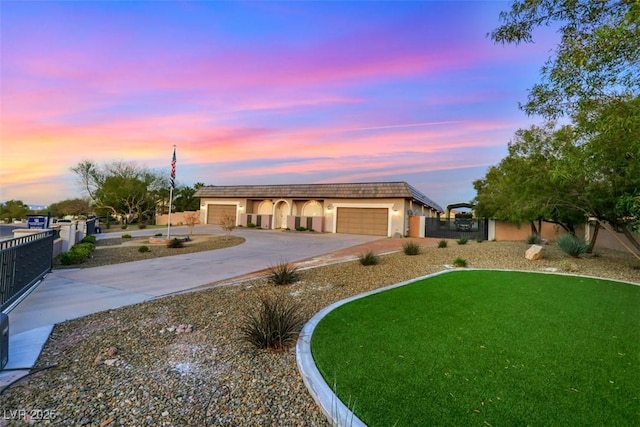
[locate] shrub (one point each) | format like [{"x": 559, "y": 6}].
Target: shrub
[
  {"x": 84, "y": 248},
  {"x": 411, "y": 248},
  {"x": 143, "y": 248},
  {"x": 568, "y": 266},
  {"x": 275, "y": 326},
  {"x": 462, "y": 240},
  {"x": 459, "y": 262},
  {"x": 78, "y": 253},
  {"x": 157, "y": 235},
  {"x": 572, "y": 245},
  {"x": 142, "y": 226},
  {"x": 442, "y": 243},
  {"x": 534, "y": 239},
  {"x": 71, "y": 257},
  {"x": 479, "y": 240},
  {"x": 301, "y": 228},
  {"x": 89, "y": 239},
  {"x": 283, "y": 274},
  {"x": 368, "y": 258},
  {"x": 251, "y": 225},
  {"x": 126, "y": 236},
  {"x": 123, "y": 226},
  {"x": 175, "y": 243}
]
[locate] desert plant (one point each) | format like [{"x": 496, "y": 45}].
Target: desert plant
[
  {"x": 368, "y": 258},
  {"x": 88, "y": 239},
  {"x": 411, "y": 248},
  {"x": 175, "y": 243},
  {"x": 459, "y": 262},
  {"x": 228, "y": 223},
  {"x": 534, "y": 239},
  {"x": 143, "y": 248},
  {"x": 568, "y": 266},
  {"x": 78, "y": 253},
  {"x": 283, "y": 273},
  {"x": 462, "y": 240},
  {"x": 191, "y": 219},
  {"x": 126, "y": 236},
  {"x": 572, "y": 245},
  {"x": 442, "y": 243},
  {"x": 275, "y": 326}
]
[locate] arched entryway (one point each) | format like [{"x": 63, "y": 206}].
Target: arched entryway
[
  {"x": 280, "y": 213},
  {"x": 312, "y": 208}
]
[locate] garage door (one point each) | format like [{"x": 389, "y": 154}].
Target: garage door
[
  {"x": 215, "y": 213},
  {"x": 372, "y": 221}
]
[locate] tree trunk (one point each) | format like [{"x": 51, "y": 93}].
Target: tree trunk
[
  {"x": 594, "y": 237},
  {"x": 631, "y": 237},
  {"x": 533, "y": 228}
]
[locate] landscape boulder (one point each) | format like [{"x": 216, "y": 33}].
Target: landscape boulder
[{"x": 534, "y": 252}]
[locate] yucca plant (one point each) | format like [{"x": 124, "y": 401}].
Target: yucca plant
[
  {"x": 283, "y": 273},
  {"x": 462, "y": 240},
  {"x": 411, "y": 248},
  {"x": 459, "y": 262},
  {"x": 572, "y": 245},
  {"x": 368, "y": 258},
  {"x": 442, "y": 243},
  {"x": 275, "y": 325}
]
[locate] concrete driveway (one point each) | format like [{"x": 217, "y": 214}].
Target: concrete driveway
[{"x": 71, "y": 293}]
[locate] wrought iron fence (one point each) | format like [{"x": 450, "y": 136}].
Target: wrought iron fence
[
  {"x": 452, "y": 228},
  {"x": 24, "y": 261}
]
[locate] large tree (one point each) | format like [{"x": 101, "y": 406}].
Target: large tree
[
  {"x": 592, "y": 78},
  {"x": 525, "y": 186},
  {"x": 13, "y": 209},
  {"x": 70, "y": 207},
  {"x": 124, "y": 189},
  {"x": 597, "y": 59},
  {"x": 184, "y": 199},
  {"x": 566, "y": 175}
]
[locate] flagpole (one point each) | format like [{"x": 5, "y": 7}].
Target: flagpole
[
  {"x": 173, "y": 184},
  {"x": 169, "y": 221}
]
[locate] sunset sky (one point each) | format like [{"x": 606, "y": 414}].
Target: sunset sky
[{"x": 260, "y": 92}]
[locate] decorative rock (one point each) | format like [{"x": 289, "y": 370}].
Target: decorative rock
[
  {"x": 112, "y": 351},
  {"x": 110, "y": 362},
  {"x": 535, "y": 252}
]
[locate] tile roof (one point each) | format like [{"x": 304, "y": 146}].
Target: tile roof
[{"x": 364, "y": 190}]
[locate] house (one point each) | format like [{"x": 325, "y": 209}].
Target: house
[{"x": 375, "y": 208}]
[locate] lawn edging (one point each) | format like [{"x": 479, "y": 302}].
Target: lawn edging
[{"x": 332, "y": 407}]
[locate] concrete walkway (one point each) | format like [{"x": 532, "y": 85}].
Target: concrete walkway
[{"x": 69, "y": 294}]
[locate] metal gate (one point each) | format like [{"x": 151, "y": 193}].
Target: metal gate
[
  {"x": 450, "y": 228},
  {"x": 23, "y": 262}
]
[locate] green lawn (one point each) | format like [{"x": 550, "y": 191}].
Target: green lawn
[{"x": 488, "y": 348}]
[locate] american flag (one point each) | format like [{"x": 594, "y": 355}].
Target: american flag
[{"x": 173, "y": 168}]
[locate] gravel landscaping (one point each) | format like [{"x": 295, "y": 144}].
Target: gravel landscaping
[
  {"x": 117, "y": 250},
  {"x": 181, "y": 360}
]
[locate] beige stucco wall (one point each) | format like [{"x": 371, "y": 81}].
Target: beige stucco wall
[
  {"x": 177, "y": 218},
  {"x": 611, "y": 240},
  {"x": 506, "y": 231},
  {"x": 398, "y": 218}
]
